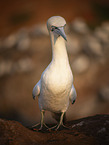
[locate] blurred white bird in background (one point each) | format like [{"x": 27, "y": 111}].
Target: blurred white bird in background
[{"x": 55, "y": 88}]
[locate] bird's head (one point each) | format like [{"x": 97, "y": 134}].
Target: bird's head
[{"x": 56, "y": 25}]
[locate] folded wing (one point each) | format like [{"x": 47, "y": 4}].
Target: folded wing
[
  {"x": 36, "y": 90},
  {"x": 72, "y": 95}
]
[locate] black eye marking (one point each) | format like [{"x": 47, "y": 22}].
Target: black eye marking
[
  {"x": 73, "y": 101},
  {"x": 53, "y": 28},
  {"x": 56, "y": 27}
]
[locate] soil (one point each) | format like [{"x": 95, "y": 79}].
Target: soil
[{"x": 92, "y": 130}]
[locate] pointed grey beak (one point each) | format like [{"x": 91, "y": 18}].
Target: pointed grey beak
[{"x": 60, "y": 31}]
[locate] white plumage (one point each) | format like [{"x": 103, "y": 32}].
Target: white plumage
[{"x": 55, "y": 88}]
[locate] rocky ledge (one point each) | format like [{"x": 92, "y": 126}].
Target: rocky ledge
[{"x": 92, "y": 130}]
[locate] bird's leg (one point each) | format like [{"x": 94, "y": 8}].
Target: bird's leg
[
  {"x": 35, "y": 125},
  {"x": 41, "y": 122},
  {"x": 61, "y": 121},
  {"x": 42, "y": 119}
]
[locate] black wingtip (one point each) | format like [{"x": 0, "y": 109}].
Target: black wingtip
[{"x": 73, "y": 101}]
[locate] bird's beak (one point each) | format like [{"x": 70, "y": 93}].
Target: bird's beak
[{"x": 60, "y": 31}]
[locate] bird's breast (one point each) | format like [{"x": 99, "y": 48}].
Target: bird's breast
[
  {"x": 57, "y": 80},
  {"x": 56, "y": 83}
]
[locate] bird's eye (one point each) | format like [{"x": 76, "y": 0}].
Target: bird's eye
[
  {"x": 56, "y": 27},
  {"x": 53, "y": 28}
]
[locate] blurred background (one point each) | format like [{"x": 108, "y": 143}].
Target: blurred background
[{"x": 25, "y": 51}]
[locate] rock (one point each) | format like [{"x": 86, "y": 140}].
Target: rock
[
  {"x": 93, "y": 130},
  {"x": 104, "y": 94},
  {"x": 8, "y": 67},
  {"x": 73, "y": 45},
  {"x": 78, "y": 124},
  {"x": 10, "y": 41},
  {"x": 1, "y": 44},
  {"x": 102, "y": 130},
  {"x": 80, "y": 64},
  {"x": 5, "y": 67},
  {"x": 20, "y": 40},
  {"x": 23, "y": 40},
  {"x": 102, "y": 35},
  {"x": 23, "y": 65},
  {"x": 79, "y": 26},
  {"x": 105, "y": 26},
  {"x": 24, "y": 44},
  {"x": 22, "y": 33},
  {"x": 39, "y": 30},
  {"x": 92, "y": 46}
]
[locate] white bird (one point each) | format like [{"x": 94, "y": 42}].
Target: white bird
[{"x": 55, "y": 88}]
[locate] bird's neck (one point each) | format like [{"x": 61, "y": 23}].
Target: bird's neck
[{"x": 59, "y": 52}]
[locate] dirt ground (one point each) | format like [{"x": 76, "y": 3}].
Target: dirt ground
[{"x": 91, "y": 131}]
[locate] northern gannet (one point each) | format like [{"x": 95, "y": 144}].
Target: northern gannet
[{"x": 55, "y": 88}]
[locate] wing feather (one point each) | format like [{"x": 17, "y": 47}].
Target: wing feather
[
  {"x": 73, "y": 95},
  {"x": 36, "y": 90}
]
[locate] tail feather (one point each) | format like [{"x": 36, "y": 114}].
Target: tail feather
[{"x": 57, "y": 116}]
